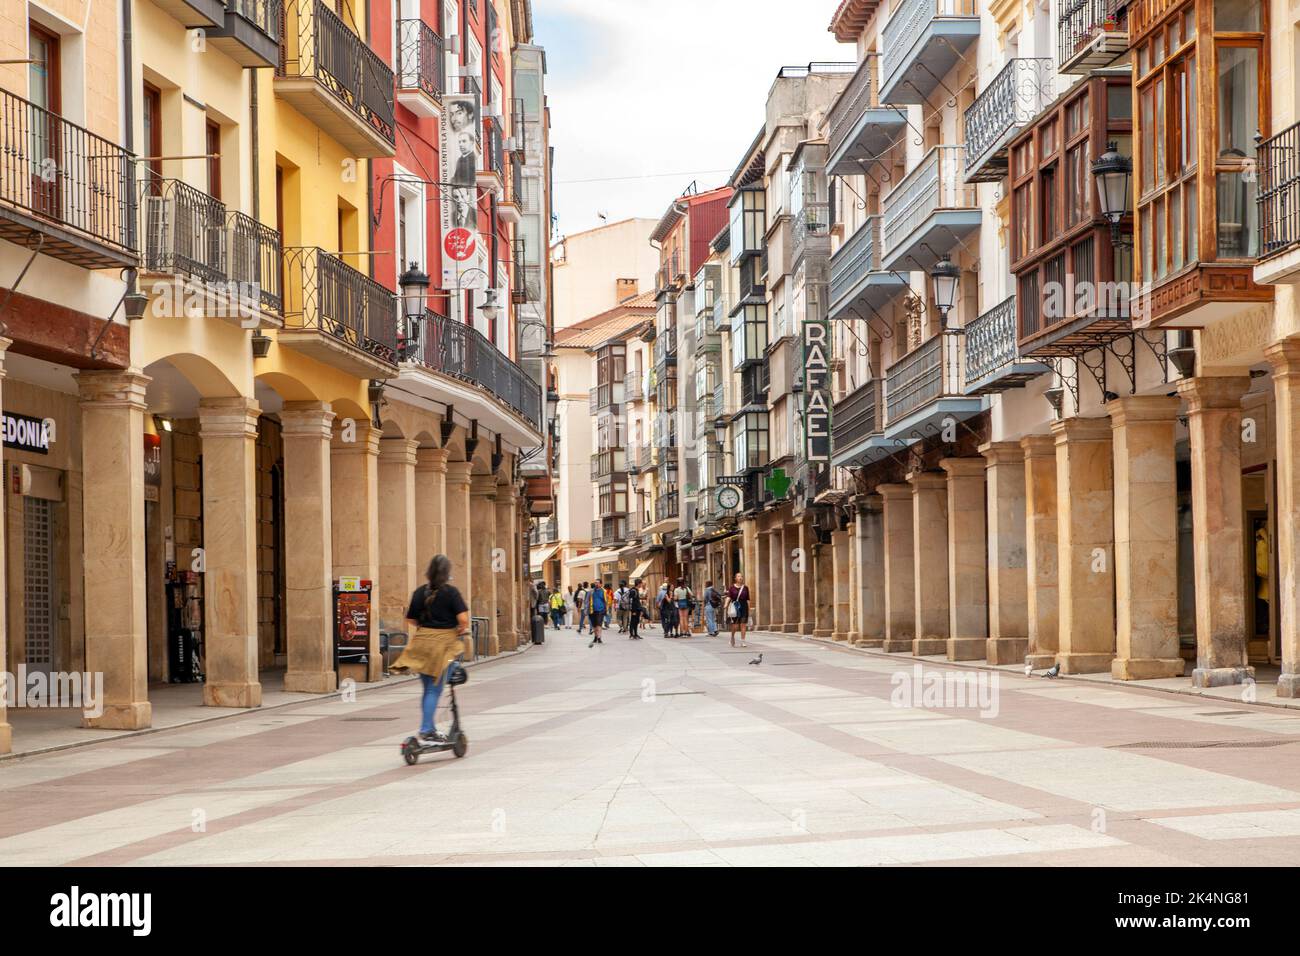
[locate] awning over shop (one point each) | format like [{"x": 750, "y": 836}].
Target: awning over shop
[
  {"x": 592, "y": 558},
  {"x": 539, "y": 556},
  {"x": 640, "y": 570}
]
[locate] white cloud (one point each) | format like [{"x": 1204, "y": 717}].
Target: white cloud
[{"x": 640, "y": 88}]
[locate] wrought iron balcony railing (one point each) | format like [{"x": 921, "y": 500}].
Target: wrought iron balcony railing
[
  {"x": 1090, "y": 33},
  {"x": 493, "y": 151},
  {"x": 633, "y": 387},
  {"x": 929, "y": 372},
  {"x": 666, "y": 506},
  {"x": 326, "y": 295},
  {"x": 184, "y": 231},
  {"x": 907, "y": 25},
  {"x": 857, "y": 415},
  {"x": 255, "y": 259},
  {"x": 318, "y": 45},
  {"x": 421, "y": 60},
  {"x": 638, "y": 457},
  {"x": 1279, "y": 192},
  {"x": 75, "y": 188},
  {"x": 857, "y": 257},
  {"x": 1021, "y": 90},
  {"x": 993, "y": 361},
  {"x": 666, "y": 347},
  {"x": 936, "y": 183},
  {"x": 860, "y": 94},
  {"x": 462, "y": 351}
]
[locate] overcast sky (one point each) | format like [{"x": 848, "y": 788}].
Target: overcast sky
[{"x": 647, "y": 95}]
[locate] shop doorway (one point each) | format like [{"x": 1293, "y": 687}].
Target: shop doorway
[{"x": 39, "y": 624}]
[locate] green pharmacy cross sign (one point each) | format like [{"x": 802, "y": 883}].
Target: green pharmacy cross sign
[{"x": 777, "y": 483}]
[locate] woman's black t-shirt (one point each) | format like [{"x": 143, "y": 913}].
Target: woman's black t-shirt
[{"x": 447, "y": 604}]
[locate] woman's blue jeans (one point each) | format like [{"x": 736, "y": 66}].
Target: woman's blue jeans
[
  {"x": 711, "y": 618},
  {"x": 429, "y": 703}
]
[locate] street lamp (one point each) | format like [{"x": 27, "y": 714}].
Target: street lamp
[
  {"x": 945, "y": 276},
  {"x": 414, "y": 284},
  {"x": 1113, "y": 173},
  {"x": 489, "y": 308}
]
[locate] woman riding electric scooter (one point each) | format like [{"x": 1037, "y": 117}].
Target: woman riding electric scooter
[{"x": 441, "y": 620}]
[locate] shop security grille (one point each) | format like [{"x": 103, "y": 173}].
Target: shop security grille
[{"x": 38, "y": 582}]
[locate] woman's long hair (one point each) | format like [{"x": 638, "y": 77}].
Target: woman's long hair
[{"x": 439, "y": 573}]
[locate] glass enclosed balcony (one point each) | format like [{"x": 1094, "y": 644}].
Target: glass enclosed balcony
[{"x": 922, "y": 42}]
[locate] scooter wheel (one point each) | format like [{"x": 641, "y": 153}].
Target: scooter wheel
[
  {"x": 460, "y": 745},
  {"x": 411, "y": 751}
]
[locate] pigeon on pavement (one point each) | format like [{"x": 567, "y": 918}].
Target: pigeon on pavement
[
  {"x": 1029, "y": 670},
  {"x": 758, "y": 659},
  {"x": 1056, "y": 669}
]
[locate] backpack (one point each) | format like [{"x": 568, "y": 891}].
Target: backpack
[
  {"x": 715, "y": 600},
  {"x": 598, "y": 600}
]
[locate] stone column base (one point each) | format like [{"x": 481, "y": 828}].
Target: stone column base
[
  {"x": 1146, "y": 668},
  {"x": 966, "y": 648},
  {"x": 1222, "y": 676},
  {"x": 869, "y": 642},
  {"x": 1288, "y": 685},
  {"x": 854, "y": 637},
  {"x": 1006, "y": 650},
  {"x": 135, "y": 716},
  {"x": 1040, "y": 662},
  {"x": 896, "y": 647},
  {"x": 929, "y": 646},
  {"x": 792, "y": 628},
  {"x": 1085, "y": 663},
  {"x": 821, "y": 632},
  {"x": 233, "y": 694},
  {"x": 311, "y": 682},
  {"x": 6, "y": 739},
  {"x": 840, "y": 636}
]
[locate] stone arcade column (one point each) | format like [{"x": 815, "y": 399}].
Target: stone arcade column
[
  {"x": 228, "y": 431},
  {"x": 430, "y": 507},
  {"x": 1146, "y": 537},
  {"x": 354, "y": 516},
  {"x": 1008, "y": 585},
  {"x": 808, "y": 580},
  {"x": 968, "y": 609},
  {"x": 112, "y": 423},
  {"x": 900, "y": 570},
  {"x": 399, "y": 572},
  {"x": 1086, "y": 539},
  {"x": 1218, "y": 531},
  {"x": 1285, "y": 357},
  {"x": 869, "y": 552},
  {"x": 1042, "y": 552},
  {"x": 507, "y": 505},
  {"x": 796, "y": 540},
  {"x": 483, "y": 540},
  {"x": 930, "y": 559},
  {"x": 774, "y": 616},
  {"x": 308, "y": 544},
  {"x": 457, "y": 530},
  {"x": 752, "y": 549},
  {"x": 821, "y": 602},
  {"x": 842, "y": 579}
]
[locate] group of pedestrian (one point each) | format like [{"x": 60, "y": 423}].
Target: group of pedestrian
[{"x": 675, "y": 605}]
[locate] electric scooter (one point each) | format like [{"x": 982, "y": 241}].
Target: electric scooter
[{"x": 413, "y": 748}]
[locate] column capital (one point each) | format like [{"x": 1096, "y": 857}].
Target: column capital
[
  {"x": 964, "y": 467},
  {"x": 1284, "y": 356},
  {"x": 431, "y": 459},
  {"x": 1038, "y": 446},
  {"x": 115, "y": 388},
  {"x": 894, "y": 491},
  {"x": 1143, "y": 408},
  {"x": 506, "y": 490},
  {"x": 365, "y": 439},
  {"x": 228, "y": 417},
  {"x": 1078, "y": 429},
  {"x": 398, "y": 451},
  {"x": 927, "y": 479},
  {"x": 1211, "y": 391},
  {"x": 4, "y": 349},
  {"x": 307, "y": 419},
  {"x": 458, "y": 472},
  {"x": 483, "y": 486},
  {"x": 867, "y": 504},
  {"x": 1003, "y": 453}
]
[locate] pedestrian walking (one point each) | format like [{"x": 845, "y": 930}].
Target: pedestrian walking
[
  {"x": 557, "y": 608},
  {"x": 569, "y": 606},
  {"x": 597, "y": 605},
  {"x": 441, "y": 620},
  {"x": 738, "y": 600},
  {"x": 712, "y": 601},
  {"x": 580, "y": 602},
  {"x": 668, "y": 616},
  {"x": 634, "y": 609},
  {"x": 683, "y": 597},
  {"x": 620, "y": 604}
]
